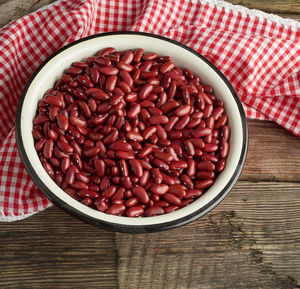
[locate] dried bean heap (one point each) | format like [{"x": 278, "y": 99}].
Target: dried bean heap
[{"x": 128, "y": 133}]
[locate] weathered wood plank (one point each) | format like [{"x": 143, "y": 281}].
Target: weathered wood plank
[
  {"x": 14, "y": 9},
  {"x": 271, "y": 6},
  {"x": 55, "y": 250},
  {"x": 251, "y": 240},
  {"x": 273, "y": 154}
]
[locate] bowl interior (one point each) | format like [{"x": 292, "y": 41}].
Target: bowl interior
[{"x": 182, "y": 57}]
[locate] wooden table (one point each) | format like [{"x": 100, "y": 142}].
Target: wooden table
[{"x": 251, "y": 240}]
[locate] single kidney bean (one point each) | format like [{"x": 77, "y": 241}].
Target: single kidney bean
[
  {"x": 224, "y": 133},
  {"x": 170, "y": 209},
  {"x": 157, "y": 175},
  {"x": 204, "y": 175},
  {"x": 144, "y": 178},
  {"x": 116, "y": 209},
  {"x": 154, "y": 211},
  {"x": 200, "y": 185},
  {"x": 177, "y": 190},
  {"x": 48, "y": 168},
  {"x": 187, "y": 181},
  {"x": 136, "y": 167},
  {"x": 224, "y": 149},
  {"x": 221, "y": 121},
  {"x": 160, "y": 189},
  {"x": 172, "y": 199},
  {"x": 87, "y": 194},
  {"x": 220, "y": 165},
  {"x": 135, "y": 211},
  {"x": 141, "y": 194}
]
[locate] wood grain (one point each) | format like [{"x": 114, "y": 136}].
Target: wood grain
[
  {"x": 271, "y": 6},
  {"x": 273, "y": 154},
  {"x": 251, "y": 240},
  {"x": 54, "y": 250},
  {"x": 14, "y": 9}
]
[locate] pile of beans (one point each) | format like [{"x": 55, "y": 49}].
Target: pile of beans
[{"x": 128, "y": 133}]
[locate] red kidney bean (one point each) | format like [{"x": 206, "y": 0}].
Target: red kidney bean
[
  {"x": 175, "y": 134},
  {"x": 170, "y": 209},
  {"x": 165, "y": 157},
  {"x": 87, "y": 194},
  {"x": 70, "y": 175},
  {"x": 111, "y": 137},
  {"x": 162, "y": 204},
  {"x": 90, "y": 152},
  {"x": 111, "y": 82},
  {"x": 62, "y": 122},
  {"x": 224, "y": 133},
  {"x": 157, "y": 175},
  {"x": 172, "y": 199},
  {"x": 221, "y": 121},
  {"x": 145, "y": 164},
  {"x": 210, "y": 147},
  {"x": 217, "y": 112},
  {"x": 200, "y": 185},
  {"x": 109, "y": 192},
  {"x": 141, "y": 194},
  {"x": 101, "y": 204},
  {"x": 204, "y": 175},
  {"x": 66, "y": 148},
  {"x": 187, "y": 181},
  {"x": 83, "y": 178},
  {"x": 48, "y": 148},
  {"x": 136, "y": 167},
  {"x": 135, "y": 211},
  {"x": 116, "y": 209},
  {"x": 172, "y": 121},
  {"x": 134, "y": 111},
  {"x": 53, "y": 100},
  {"x": 134, "y": 136},
  {"x": 137, "y": 55},
  {"x": 177, "y": 165},
  {"x": 209, "y": 157},
  {"x": 100, "y": 167},
  {"x": 193, "y": 193},
  {"x": 182, "y": 122},
  {"x": 177, "y": 190},
  {"x": 144, "y": 152},
  {"x": 144, "y": 178},
  {"x": 201, "y": 132},
  {"x": 124, "y": 155},
  {"x": 65, "y": 164},
  {"x": 220, "y": 165},
  {"x": 206, "y": 166},
  {"x": 145, "y": 91},
  {"x": 224, "y": 150},
  {"x": 54, "y": 162},
  {"x": 166, "y": 67},
  {"x": 106, "y": 51},
  {"x": 160, "y": 164},
  {"x": 154, "y": 211},
  {"x": 160, "y": 189},
  {"x": 149, "y": 56}
]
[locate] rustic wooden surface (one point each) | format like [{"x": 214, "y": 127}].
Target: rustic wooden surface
[{"x": 251, "y": 240}]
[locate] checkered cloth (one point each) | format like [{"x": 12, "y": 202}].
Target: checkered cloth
[{"x": 257, "y": 52}]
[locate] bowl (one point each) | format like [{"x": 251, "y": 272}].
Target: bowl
[{"x": 51, "y": 70}]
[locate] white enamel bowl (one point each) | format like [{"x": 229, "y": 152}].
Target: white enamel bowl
[{"x": 52, "y": 69}]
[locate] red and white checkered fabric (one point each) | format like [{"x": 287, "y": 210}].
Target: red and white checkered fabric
[{"x": 257, "y": 52}]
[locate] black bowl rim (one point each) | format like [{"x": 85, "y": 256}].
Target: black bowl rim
[{"x": 121, "y": 227}]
